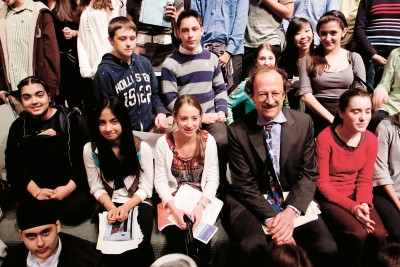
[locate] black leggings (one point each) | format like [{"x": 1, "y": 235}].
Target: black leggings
[{"x": 176, "y": 244}]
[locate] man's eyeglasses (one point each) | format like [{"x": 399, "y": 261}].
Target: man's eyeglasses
[{"x": 275, "y": 96}]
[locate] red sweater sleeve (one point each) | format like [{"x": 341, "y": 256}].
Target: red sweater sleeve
[{"x": 324, "y": 149}]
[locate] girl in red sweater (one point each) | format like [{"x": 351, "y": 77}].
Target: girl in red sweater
[{"x": 346, "y": 154}]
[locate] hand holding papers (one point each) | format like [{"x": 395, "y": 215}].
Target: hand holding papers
[
  {"x": 114, "y": 240},
  {"x": 186, "y": 199},
  {"x": 310, "y": 215},
  {"x": 121, "y": 230}
]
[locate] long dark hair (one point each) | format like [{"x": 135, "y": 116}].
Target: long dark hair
[
  {"x": 64, "y": 10},
  {"x": 344, "y": 102},
  {"x": 115, "y": 169},
  {"x": 290, "y": 54},
  {"x": 192, "y": 101},
  {"x": 316, "y": 61}
]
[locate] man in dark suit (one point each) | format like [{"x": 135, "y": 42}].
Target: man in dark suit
[
  {"x": 286, "y": 158},
  {"x": 44, "y": 245}
]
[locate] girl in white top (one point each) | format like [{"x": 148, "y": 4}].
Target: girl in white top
[
  {"x": 119, "y": 168},
  {"x": 185, "y": 156},
  {"x": 93, "y": 35}
]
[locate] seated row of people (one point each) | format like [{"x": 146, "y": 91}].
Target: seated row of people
[
  {"x": 268, "y": 100},
  {"x": 130, "y": 75},
  {"x": 44, "y": 244},
  {"x": 117, "y": 164}
]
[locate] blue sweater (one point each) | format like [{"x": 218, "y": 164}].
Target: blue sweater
[{"x": 136, "y": 82}]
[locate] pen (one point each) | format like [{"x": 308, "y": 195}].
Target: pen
[
  {"x": 187, "y": 219},
  {"x": 131, "y": 223},
  {"x": 125, "y": 225}
]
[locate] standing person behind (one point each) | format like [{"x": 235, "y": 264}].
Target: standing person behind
[
  {"x": 27, "y": 48},
  {"x": 349, "y": 9},
  {"x": 186, "y": 156},
  {"x": 386, "y": 99},
  {"x": 266, "y": 56},
  {"x": 154, "y": 42},
  {"x": 263, "y": 27},
  {"x": 346, "y": 154},
  {"x": 376, "y": 32},
  {"x": 120, "y": 173},
  {"x": 66, "y": 25},
  {"x": 328, "y": 71},
  {"x": 286, "y": 165},
  {"x": 299, "y": 42},
  {"x": 312, "y": 11},
  {"x": 44, "y": 245},
  {"x": 92, "y": 36},
  {"x": 224, "y": 26},
  {"x": 195, "y": 71},
  {"x": 44, "y": 154},
  {"x": 123, "y": 73},
  {"x": 387, "y": 175}
]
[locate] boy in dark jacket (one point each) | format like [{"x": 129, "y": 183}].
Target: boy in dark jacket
[
  {"x": 44, "y": 245},
  {"x": 130, "y": 76}
]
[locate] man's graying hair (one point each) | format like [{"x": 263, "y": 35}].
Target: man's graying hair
[{"x": 264, "y": 69}]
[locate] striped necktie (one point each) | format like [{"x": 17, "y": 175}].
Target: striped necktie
[{"x": 275, "y": 196}]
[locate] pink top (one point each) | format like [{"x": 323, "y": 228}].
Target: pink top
[{"x": 346, "y": 172}]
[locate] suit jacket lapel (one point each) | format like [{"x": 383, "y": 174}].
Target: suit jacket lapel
[
  {"x": 256, "y": 137},
  {"x": 257, "y": 141},
  {"x": 286, "y": 138}
]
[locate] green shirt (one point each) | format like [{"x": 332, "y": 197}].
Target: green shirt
[
  {"x": 391, "y": 82},
  {"x": 263, "y": 25}
]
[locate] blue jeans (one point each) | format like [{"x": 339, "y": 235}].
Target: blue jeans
[{"x": 374, "y": 74}]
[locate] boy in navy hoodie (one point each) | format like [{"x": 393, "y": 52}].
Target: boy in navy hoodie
[{"x": 130, "y": 76}]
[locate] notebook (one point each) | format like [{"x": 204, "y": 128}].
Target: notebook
[{"x": 152, "y": 12}]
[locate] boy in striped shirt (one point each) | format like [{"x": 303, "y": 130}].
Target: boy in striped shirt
[{"x": 195, "y": 71}]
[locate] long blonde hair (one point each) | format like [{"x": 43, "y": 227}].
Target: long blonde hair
[{"x": 192, "y": 101}]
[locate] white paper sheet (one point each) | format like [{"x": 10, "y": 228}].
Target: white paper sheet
[
  {"x": 186, "y": 199},
  {"x": 118, "y": 247},
  {"x": 310, "y": 215}
]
